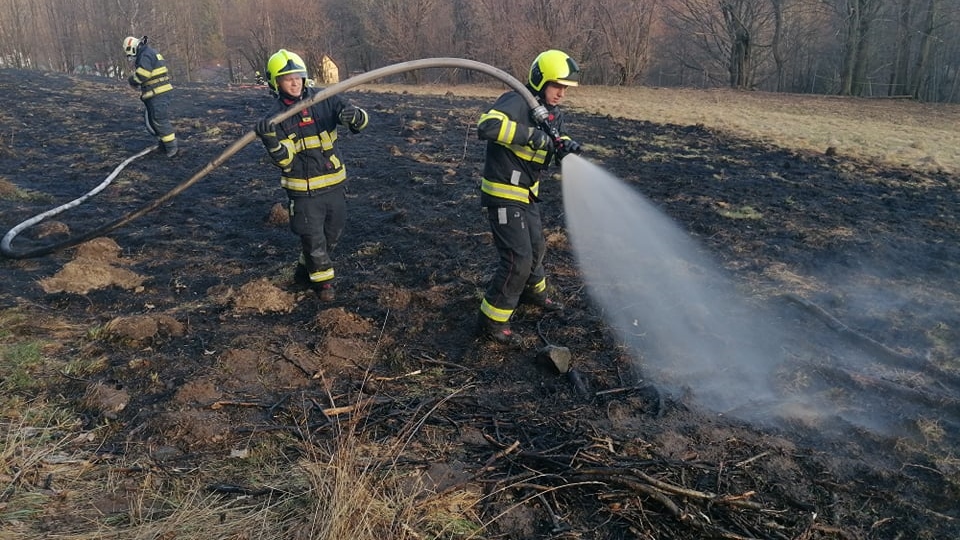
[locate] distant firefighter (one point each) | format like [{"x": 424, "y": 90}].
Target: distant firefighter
[{"x": 150, "y": 76}]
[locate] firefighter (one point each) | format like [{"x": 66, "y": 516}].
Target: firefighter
[
  {"x": 517, "y": 153},
  {"x": 313, "y": 176},
  {"x": 152, "y": 79}
]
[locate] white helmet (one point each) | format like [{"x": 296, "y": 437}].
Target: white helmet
[{"x": 130, "y": 45}]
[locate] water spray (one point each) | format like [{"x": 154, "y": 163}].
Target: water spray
[
  {"x": 539, "y": 115},
  {"x": 690, "y": 328}
]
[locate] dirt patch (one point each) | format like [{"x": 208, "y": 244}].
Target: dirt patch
[
  {"x": 96, "y": 265},
  {"x": 263, "y": 297},
  {"x": 140, "y": 329}
]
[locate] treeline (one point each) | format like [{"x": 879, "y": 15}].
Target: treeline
[{"x": 846, "y": 47}]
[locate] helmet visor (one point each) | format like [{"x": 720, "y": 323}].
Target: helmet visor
[{"x": 292, "y": 67}]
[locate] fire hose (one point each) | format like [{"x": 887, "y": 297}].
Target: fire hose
[{"x": 539, "y": 115}]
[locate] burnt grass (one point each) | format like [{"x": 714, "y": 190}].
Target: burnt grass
[{"x": 618, "y": 457}]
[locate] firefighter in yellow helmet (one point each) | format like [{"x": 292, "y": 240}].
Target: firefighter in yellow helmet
[
  {"x": 151, "y": 78},
  {"x": 312, "y": 174},
  {"x": 517, "y": 153}
]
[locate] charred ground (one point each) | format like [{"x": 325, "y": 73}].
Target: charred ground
[{"x": 205, "y": 345}]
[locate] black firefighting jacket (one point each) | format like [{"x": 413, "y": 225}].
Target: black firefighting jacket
[
  {"x": 511, "y": 170},
  {"x": 151, "y": 74},
  {"x": 306, "y": 153}
]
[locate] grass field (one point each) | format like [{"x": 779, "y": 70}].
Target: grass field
[{"x": 892, "y": 132}]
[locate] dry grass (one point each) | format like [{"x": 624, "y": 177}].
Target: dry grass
[
  {"x": 351, "y": 490},
  {"x": 54, "y": 484},
  {"x": 921, "y": 136}
]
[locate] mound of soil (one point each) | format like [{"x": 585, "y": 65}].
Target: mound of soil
[{"x": 210, "y": 346}]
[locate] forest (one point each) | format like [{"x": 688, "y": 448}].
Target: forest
[{"x": 866, "y": 48}]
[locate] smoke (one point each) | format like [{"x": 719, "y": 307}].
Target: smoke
[{"x": 689, "y": 327}]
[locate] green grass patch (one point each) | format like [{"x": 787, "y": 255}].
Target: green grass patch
[
  {"x": 742, "y": 212},
  {"x": 11, "y": 192},
  {"x": 19, "y": 363}
]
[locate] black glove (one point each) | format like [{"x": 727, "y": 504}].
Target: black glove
[
  {"x": 267, "y": 131},
  {"x": 539, "y": 140},
  {"x": 132, "y": 82},
  {"x": 571, "y": 146},
  {"x": 354, "y": 118}
]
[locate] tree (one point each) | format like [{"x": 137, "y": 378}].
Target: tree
[
  {"x": 930, "y": 24},
  {"x": 623, "y": 36},
  {"x": 860, "y": 16},
  {"x": 14, "y": 35},
  {"x": 402, "y": 30},
  {"x": 776, "y": 43},
  {"x": 825, "y": 46},
  {"x": 732, "y": 36},
  {"x": 735, "y": 18}
]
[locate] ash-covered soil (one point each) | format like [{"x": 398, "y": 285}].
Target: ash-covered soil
[{"x": 206, "y": 345}]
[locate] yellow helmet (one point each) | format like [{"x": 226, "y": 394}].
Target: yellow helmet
[
  {"x": 556, "y": 66},
  {"x": 130, "y": 45},
  {"x": 284, "y": 62}
]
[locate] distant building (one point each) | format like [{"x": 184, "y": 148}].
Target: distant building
[{"x": 330, "y": 73}]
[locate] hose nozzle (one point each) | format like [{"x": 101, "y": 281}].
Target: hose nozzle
[{"x": 539, "y": 115}]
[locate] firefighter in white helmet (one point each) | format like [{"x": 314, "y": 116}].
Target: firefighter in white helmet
[
  {"x": 151, "y": 78},
  {"x": 517, "y": 153}
]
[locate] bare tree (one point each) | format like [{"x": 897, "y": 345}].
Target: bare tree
[
  {"x": 930, "y": 24},
  {"x": 736, "y": 17},
  {"x": 836, "y": 46},
  {"x": 733, "y": 36},
  {"x": 624, "y": 34},
  {"x": 401, "y": 30},
  {"x": 19, "y": 49},
  {"x": 250, "y": 30},
  {"x": 776, "y": 43},
  {"x": 860, "y": 15},
  {"x": 806, "y": 46},
  {"x": 900, "y": 74}
]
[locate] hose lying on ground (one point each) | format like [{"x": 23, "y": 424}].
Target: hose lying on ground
[
  {"x": 7, "y": 251},
  {"x": 8, "y": 238}
]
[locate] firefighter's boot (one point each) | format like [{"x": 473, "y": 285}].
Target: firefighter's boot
[
  {"x": 542, "y": 300},
  {"x": 497, "y": 332},
  {"x": 326, "y": 292},
  {"x": 171, "y": 148},
  {"x": 301, "y": 277}
]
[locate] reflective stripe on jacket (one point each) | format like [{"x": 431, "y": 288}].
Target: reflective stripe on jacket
[
  {"x": 511, "y": 170},
  {"x": 151, "y": 73},
  {"x": 306, "y": 154}
]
